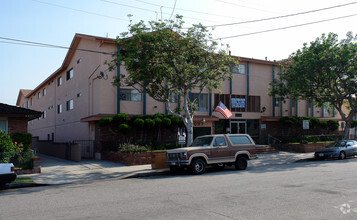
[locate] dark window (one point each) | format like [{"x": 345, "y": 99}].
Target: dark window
[
  {"x": 59, "y": 81},
  {"x": 130, "y": 95},
  {"x": 69, "y": 105},
  {"x": 59, "y": 108},
  {"x": 201, "y": 100},
  {"x": 69, "y": 74},
  {"x": 239, "y": 140}
]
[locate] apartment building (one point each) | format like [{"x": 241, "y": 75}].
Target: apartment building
[{"x": 80, "y": 93}]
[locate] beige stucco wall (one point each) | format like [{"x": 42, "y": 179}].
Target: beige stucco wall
[{"x": 93, "y": 95}]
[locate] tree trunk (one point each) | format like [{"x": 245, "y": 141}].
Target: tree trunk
[
  {"x": 189, "y": 134},
  {"x": 346, "y": 133}
]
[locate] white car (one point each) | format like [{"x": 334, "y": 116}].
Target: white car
[{"x": 7, "y": 173}]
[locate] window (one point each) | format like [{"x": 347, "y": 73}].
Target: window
[
  {"x": 219, "y": 141},
  {"x": 43, "y": 91},
  {"x": 130, "y": 95},
  {"x": 201, "y": 100},
  {"x": 173, "y": 97},
  {"x": 239, "y": 140},
  {"x": 240, "y": 69},
  {"x": 3, "y": 125},
  {"x": 276, "y": 102},
  {"x": 59, "y": 81},
  {"x": 69, "y": 74},
  {"x": 39, "y": 95},
  {"x": 59, "y": 108},
  {"x": 44, "y": 114},
  {"x": 31, "y": 102},
  {"x": 27, "y": 104},
  {"x": 79, "y": 95},
  {"x": 79, "y": 60},
  {"x": 69, "y": 105}
]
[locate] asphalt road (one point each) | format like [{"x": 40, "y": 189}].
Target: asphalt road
[{"x": 304, "y": 190}]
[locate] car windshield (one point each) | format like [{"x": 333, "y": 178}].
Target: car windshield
[
  {"x": 337, "y": 144},
  {"x": 202, "y": 141}
]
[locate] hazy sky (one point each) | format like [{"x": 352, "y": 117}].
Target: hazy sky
[{"x": 56, "y": 22}]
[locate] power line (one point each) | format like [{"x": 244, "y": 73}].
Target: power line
[
  {"x": 79, "y": 10},
  {"x": 38, "y": 44},
  {"x": 243, "y": 6},
  {"x": 287, "y": 27},
  {"x": 284, "y": 16},
  {"x": 188, "y": 10},
  {"x": 145, "y": 9}
]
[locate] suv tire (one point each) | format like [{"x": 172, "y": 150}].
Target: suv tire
[
  {"x": 241, "y": 163},
  {"x": 198, "y": 166}
]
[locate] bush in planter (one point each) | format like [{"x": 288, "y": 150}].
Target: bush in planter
[
  {"x": 315, "y": 122},
  {"x": 323, "y": 124},
  {"x": 24, "y": 138},
  {"x": 132, "y": 148},
  {"x": 332, "y": 125}
]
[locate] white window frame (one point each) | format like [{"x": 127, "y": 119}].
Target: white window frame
[
  {"x": 238, "y": 70},
  {"x": 69, "y": 105},
  {"x": 5, "y": 123}
]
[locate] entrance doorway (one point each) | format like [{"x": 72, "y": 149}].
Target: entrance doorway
[{"x": 238, "y": 127}]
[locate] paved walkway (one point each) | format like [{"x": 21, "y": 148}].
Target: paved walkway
[{"x": 59, "y": 171}]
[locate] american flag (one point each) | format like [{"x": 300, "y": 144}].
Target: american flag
[{"x": 221, "y": 108}]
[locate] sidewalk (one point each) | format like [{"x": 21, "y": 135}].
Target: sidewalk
[{"x": 59, "y": 171}]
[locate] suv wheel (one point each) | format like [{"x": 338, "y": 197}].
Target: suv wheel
[
  {"x": 198, "y": 166},
  {"x": 241, "y": 163}
]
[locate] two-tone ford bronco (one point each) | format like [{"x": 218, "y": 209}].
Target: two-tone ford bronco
[{"x": 217, "y": 150}]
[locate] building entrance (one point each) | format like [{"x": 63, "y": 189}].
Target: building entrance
[{"x": 238, "y": 127}]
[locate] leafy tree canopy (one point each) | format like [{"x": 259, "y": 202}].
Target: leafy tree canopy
[
  {"x": 165, "y": 60},
  {"x": 325, "y": 72}
]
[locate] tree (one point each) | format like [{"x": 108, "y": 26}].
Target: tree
[
  {"x": 166, "y": 61},
  {"x": 325, "y": 72}
]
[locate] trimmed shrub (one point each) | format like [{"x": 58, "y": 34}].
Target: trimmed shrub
[
  {"x": 120, "y": 118},
  {"x": 323, "y": 124},
  {"x": 149, "y": 123},
  {"x": 139, "y": 123},
  {"x": 158, "y": 121},
  {"x": 314, "y": 122},
  {"x": 105, "y": 121},
  {"x": 124, "y": 128},
  {"x": 332, "y": 125},
  {"x": 166, "y": 122}
]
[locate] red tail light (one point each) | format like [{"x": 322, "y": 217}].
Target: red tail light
[{"x": 12, "y": 169}]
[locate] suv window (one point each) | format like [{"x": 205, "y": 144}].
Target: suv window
[
  {"x": 219, "y": 141},
  {"x": 202, "y": 141},
  {"x": 239, "y": 140}
]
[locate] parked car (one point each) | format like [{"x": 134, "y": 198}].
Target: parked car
[
  {"x": 7, "y": 173},
  {"x": 339, "y": 149},
  {"x": 213, "y": 150}
]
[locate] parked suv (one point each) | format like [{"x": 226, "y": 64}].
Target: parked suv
[{"x": 217, "y": 150}]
